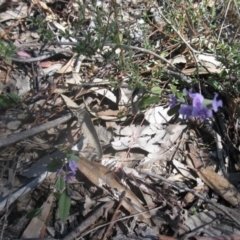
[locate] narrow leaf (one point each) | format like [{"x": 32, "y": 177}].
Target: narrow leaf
[
  {"x": 64, "y": 204},
  {"x": 60, "y": 184}
]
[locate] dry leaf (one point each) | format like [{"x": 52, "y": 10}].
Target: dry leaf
[
  {"x": 85, "y": 123},
  {"x": 68, "y": 67},
  {"x": 101, "y": 176},
  {"x": 220, "y": 185},
  {"x": 45, "y": 8},
  {"x": 34, "y": 229}
]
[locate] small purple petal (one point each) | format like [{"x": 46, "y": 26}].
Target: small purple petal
[
  {"x": 198, "y": 100},
  {"x": 73, "y": 165},
  {"x": 70, "y": 176},
  {"x": 190, "y": 92},
  {"x": 216, "y": 103},
  {"x": 173, "y": 100},
  {"x": 186, "y": 110},
  {"x": 201, "y": 112}
]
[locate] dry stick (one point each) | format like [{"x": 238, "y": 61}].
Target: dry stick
[
  {"x": 33, "y": 131},
  {"x": 225, "y": 16},
  {"x": 114, "y": 216},
  {"x": 41, "y": 57},
  {"x": 179, "y": 187},
  {"x": 236, "y": 32}
]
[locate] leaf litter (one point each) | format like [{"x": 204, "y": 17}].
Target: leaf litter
[{"x": 142, "y": 173}]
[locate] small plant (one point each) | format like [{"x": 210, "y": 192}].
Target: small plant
[
  {"x": 7, "y": 50},
  {"x": 8, "y": 101},
  {"x": 65, "y": 172},
  {"x": 41, "y": 24}
]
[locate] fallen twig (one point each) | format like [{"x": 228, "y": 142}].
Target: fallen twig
[{"x": 33, "y": 131}]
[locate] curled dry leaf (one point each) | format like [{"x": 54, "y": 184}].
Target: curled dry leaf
[
  {"x": 102, "y": 176},
  {"x": 220, "y": 185}
]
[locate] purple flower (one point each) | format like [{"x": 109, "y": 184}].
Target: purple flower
[
  {"x": 197, "y": 100},
  {"x": 73, "y": 165},
  {"x": 216, "y": 103},
  {"x": 190, "y": 92},
  {"x": 201, "y": 112},
  {"x": 73, "y": 169},
  {"x": 70, "y": 176},
  {"x": 173, "y": 100},
  {"x": 186, "y": 110}
]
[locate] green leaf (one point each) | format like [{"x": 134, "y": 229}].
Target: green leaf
[
  {"x": 6, "y": 102},
  {"x": 14, "y": 96},
  {"x": 33, "y": 213},
  {"x": 173, "y": 89},
  {"x": 55, "y": 165},
  {"x": 64, "y": 205},
  {"x": 174, "y": 110},
  {"x": 60, "y": 184},
  {"x": 156, "y": 90},
  {"x": 214, "y": 84},
  {"x": 72, "y": 155},
  {"x": 57, "y": 195},
  {"x": 147, "y": 100}
]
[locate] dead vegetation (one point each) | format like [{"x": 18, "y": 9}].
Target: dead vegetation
[{"x": 92, "y": 144}]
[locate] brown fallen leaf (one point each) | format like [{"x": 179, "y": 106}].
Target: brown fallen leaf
[
  {"x": 100, "y": 176},
  {"x": 220, "y": 185},
  {"x": 36, "y": 227},
  {"x": 232, "y": 237},
  {"x": 68, "y": 67},
  {"x": 44, "y": 7},
  {"x": 189, "y": 197},
  {"x": 163, "y": 237}
]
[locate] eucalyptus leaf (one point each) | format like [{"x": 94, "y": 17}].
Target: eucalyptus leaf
[{"x": 64, "y": 205}]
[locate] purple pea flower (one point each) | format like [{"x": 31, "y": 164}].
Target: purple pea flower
[
  {"x": 190, "y": 92},
  {"x": 186, "y": 110},
  {"x": 201, "y": 112},
  {"x": 216, "y": 103},
  {"x": 73, "y": 165},
  {"x": 173, "y": 100},
  {"x": 73, "y": 169},
  {"x": 197, "y": 100}
]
